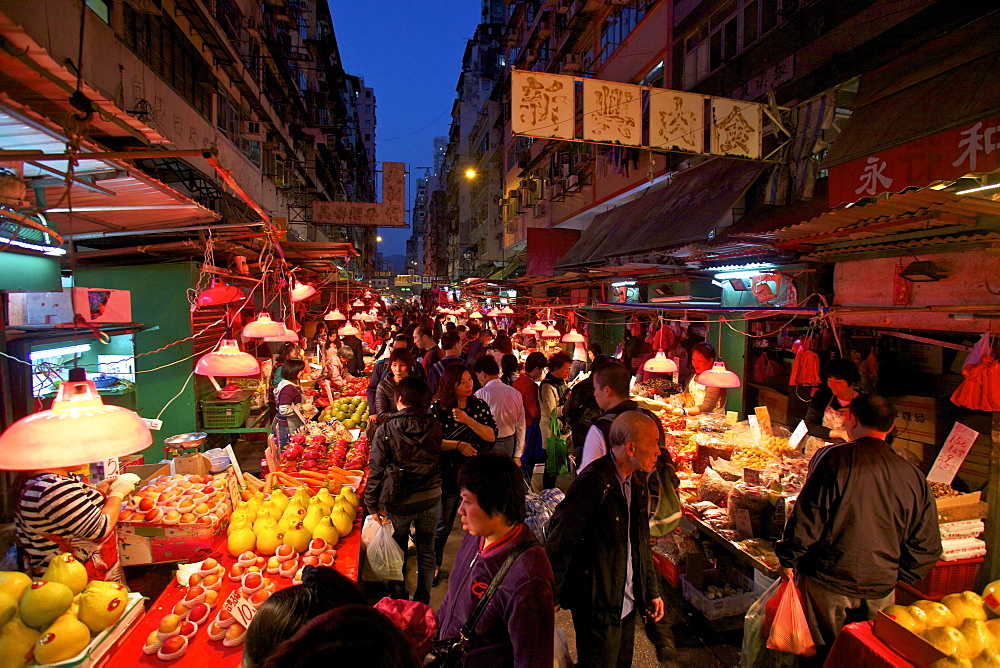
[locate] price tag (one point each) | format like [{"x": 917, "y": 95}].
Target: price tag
[
  {"x": 764, "y": 420},
  {"x": 153, "y": 424},
  {"x": 272, "y": 460},
  {"x": 235, "y": 491},
  {"x": 741, "y": 519},
  {"x": 240, "y": 608},
  {"x": 732, "y": 417},
  {"x": 797, "y": 435},
  {"x": 754, "y": 426},
  {"x": 111, "y": 468},
  {"x": 236, "y": 467},
  {"x": 751, "y": 476},
  {"x": 952, "y": 454}
]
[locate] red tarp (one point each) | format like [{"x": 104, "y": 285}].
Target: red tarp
[{"x": 546, "y": 246}]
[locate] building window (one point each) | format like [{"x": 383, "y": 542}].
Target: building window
[
  {"x": 102, "y": 8},
  {"x": 619, "y": 25}
]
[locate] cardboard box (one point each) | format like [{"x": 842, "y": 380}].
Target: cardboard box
[
  {"x": 193, "y": 464},
  {"x": 947, "y": 502},
  {"x": 916, "y": 418},
  {"x": 912, "y": 647},
  {"x": 161, "y": 543}
]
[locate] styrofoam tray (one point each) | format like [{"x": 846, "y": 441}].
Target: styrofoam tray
[{"x": 108, "y": 638}]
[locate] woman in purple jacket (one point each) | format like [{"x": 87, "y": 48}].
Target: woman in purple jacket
[{"x": 517, "y": 627}]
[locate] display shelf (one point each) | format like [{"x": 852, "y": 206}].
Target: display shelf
[{"x": 730, "y": 547}]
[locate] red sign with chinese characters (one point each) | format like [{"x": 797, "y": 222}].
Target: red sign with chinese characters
[{"x": 951, "y": 154}]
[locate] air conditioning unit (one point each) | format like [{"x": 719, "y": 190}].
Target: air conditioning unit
[
  {"x": 572, "y": 63},
  {"x": 539, "y": 210},
  {"x": 94, "y": 305},
  {"x": 556, "y": 192},
  {"x": 573, "y": 183},
  {"x": 252, "y": 130}
]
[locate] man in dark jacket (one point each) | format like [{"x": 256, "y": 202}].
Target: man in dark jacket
[
  {"x": 598, "y": 546},
  {"x": 864, "y": 519},
  {"x": 451, "y": 348},
  {"x": 581, "y": 407},
  {"x": 404, "y": 482}
]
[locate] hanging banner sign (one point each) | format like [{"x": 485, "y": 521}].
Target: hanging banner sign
[
  {"x": 542, "y": 105},
  {"x": 677, "y": 121},
  {"x": 736, "y": 128},
  {"x": 390, "y": 212},
  {"x": 612, "y": 112}
]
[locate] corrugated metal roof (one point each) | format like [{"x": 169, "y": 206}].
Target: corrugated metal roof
[{"x": 910, "y": 244}]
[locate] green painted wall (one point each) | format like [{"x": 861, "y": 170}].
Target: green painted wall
[
  {"x": 732, "y": 351},
  {"x": 159, "y": 301},
  {"x": 20, "y": 272}
]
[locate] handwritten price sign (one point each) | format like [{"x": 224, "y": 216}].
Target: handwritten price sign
[
  {"x": 240, "y": 608},
  {"x": 952, "y": 454}
]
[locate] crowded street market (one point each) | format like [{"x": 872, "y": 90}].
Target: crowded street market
[{"x": 688, "y": 359}]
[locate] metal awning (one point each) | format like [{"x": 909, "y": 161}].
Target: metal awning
[{"x": 106, "y": 194}]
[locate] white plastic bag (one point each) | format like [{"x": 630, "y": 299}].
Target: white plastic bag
[
  {"x": 368, "y": 530},
  {"x": 385, "y": 559}
]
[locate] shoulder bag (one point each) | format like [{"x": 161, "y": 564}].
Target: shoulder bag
[{"x": 450, "y": 652}]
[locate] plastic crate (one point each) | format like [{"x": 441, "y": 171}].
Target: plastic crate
[
  {"x": 948, "y": 577},
  {"x": 225, "y": 414},
  {"x": 718, "y": 608},
  {"x": 907, "y": 595},
  {"x": 670, "y": 571}
]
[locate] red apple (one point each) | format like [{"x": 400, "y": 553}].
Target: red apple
[
  {"x": 259, "y": 597},
  {"x": 198, "y": 613},
  {"x": 174, "y": 644},
  {"x": 252, "y": 580},
  {"x": 188, "y": 628},
  {"x": 146, "y": 504}
]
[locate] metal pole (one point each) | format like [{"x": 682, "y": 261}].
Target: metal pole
[
  {"x": 41, "y": 156},
  {"x": 162, "y": 230}
]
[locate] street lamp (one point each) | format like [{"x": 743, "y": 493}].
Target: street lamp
[
  {"x": 470, "y": 173},
  {"x": 378, "y": 239}
]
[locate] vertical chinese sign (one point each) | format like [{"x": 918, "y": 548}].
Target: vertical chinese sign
[
  {"x": 612, "y": 112},
  {"x": 542, "y": 105}
]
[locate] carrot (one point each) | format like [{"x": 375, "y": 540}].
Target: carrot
[
  {"x": 310, "y": 474},
  {"x": 269, "y": 483},
  {"x": 253, "y": 480},
  {"x": 289, "y": 480}
]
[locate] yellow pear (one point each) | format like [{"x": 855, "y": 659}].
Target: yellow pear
[
  {"x": 342, "y": 521},
  {"x": 345, "y": 503},
  {"x": 994, "y": 626},
  {"x": 302, "y": 494},
  {"x": 14, "y": 583},
  {"x": 965, "y": 605},
  {"x": 8, "y": 608},
  {"x": 298, "y": 538},
  {"x": 938, "y": 614},
  {"x": 907, "y": 618},
  {"x": 16, "y": 642},
  {"x": 100, "y": 607},
  {"x": 241, "y": 523},
  {"x": 326, "y": 531},
  {"x": 952, "y": 662},
  {"x": 268, "y": 541},
  {"x": 64, "y": 568},
  {"x": 240, "y": 541},
  {"x": 254, "y": 505},
  {"x": 63, "y": 640},
  {"x": 312, "y": 518},
  {"x": 978, "y": 635},
  {"x": 279, "y": 498},
  {"x": 988, "y": 658},
  {"x": 948, "y": 640},
  {"x": 265, "y": 521},
  {"x": 44, "y": 601},
  {"x": 325, "y": 497},
  {"x": 349, "y": 493}
]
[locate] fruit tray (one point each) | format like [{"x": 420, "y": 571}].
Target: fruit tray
[{"x": 100, "y": 648}]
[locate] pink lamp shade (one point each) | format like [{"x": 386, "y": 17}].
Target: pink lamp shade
[
  {"x": 493, "y": 313},
  {"x": 289, "y": 335},
  {"x": 476, "y": 315},
  {"x": 551, "y": 333},
  {"x": 660, "y": 364},
  {"x": 358, "y": 304},
  {"x": 335, "y": 315},
  {"x": 219, "y": 293},
  {"x": 506, "y": 310},
  {"x": 78, "y": 429},
  {"x": 367, "y": 317},
  {"x": 348, "y": 330},
  {"x": 719, "y": 376},
  {"x": 528, "y": 330},
  {"x": 539, "y": 327},
  {"x": 573, "y": 337},
  {"x": 227, "y": 360},
  {"x": 263, "y": 326},
  {"x": 301, "y": 291}
]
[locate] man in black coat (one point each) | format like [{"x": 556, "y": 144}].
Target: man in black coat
[
  {"x": 599, "y": 546},
  {"x": 864, "y": 519}
]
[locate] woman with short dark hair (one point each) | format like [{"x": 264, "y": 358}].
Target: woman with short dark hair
[
  {"x": 827, "y": 411},
  {"x": 400, "y": 366},
  {"x": 287, "y": 396},
  {"x": 551, "y": 399},
  {"x": 517, "y": 628}
]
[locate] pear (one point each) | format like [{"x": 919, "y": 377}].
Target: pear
[
  {"x": 65, "y": 569},
  {"x": 345, "y": 503},
  {"x": 14, "y": 583},
  {"x": 948, "y": 640},
  {"x": 43, "y": 602},
  {"x": 325, "y": 497},
  {"x": 241, "y": 523},
  {"x": 286, "y": 523},
  {"x": 342, "y": 521},
  {"x": 8, "y": 608},
  {"x": 989, "y": 658},
  {"x": 905, "y": 617},
  {"x": 298, "y": 537},
  {"x": 978, "y": 635},
  {"x": 241, "y": 541},
  {"x": 263, "y": 522},
  {"x": 349, "y": 493},
  {"x": 254, "y": 505},
  {"x": 100, "y": 607},
  {"x": 952, "y": 662},
  {"x": 16, "y": 642},
  {"x": 965, "y": 605},
  {"x": 312, "y": 518},
  {"x": 302, "y": 494},
  {"x": 938, "y": 614},
  {"x": 268, "y": 541},
  {"x": 326, "y": 531},
  {"x": 63, "y": 640},
  {"x": 279, "y": 498}
]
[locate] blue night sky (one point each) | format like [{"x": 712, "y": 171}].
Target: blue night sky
[{"x": 410, "y": 53}]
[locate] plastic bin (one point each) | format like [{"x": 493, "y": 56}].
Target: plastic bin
[
  {"x": 728, "y": 606},
  {"x": 948, "y": 577},
  {"x": 670, "y": 571},
  {"x": 225, "y": 414}
]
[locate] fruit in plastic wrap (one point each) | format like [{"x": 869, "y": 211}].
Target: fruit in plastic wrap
[
  {"x": 978, "y": 636},
  {"x": 938, "y": 614},
  {"x": 713, "y": 488},
  {"x": 948, "y": 640},
  {"x": 965, "y": 605}
]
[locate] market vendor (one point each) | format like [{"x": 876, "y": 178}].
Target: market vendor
[
  {"x": 57, "y": 513},
  {"x": 828, "y": 409},
  {"x": 697, "y": 397}
]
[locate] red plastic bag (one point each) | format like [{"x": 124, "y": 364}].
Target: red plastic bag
[
  {"x": 789, "y": 629},
  {"x": 416, "y": 620}
]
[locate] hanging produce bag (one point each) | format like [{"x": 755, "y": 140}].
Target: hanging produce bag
[
  {"x": 556, "y": 462},
  {"x": 789, "y": 629},
  {"x": 981, "y": 388}
]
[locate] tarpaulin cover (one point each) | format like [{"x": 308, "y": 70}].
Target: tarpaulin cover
[{"x": 546, "y": 246}]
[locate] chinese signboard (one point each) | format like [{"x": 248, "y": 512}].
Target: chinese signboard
[
  {"x": 543, "y": 105},
  {"x": 406, "y": 279},
  {"x": 945, "y": 156},
  {"x": 387, "y": 213},
  {"x": 952, "y": 454},
  {"x": 379, "y": 282}
]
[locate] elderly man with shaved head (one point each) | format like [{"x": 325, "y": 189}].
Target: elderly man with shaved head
[{"x": 599, "y": 545}]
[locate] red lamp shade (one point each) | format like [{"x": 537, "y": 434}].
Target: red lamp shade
[
  {"x": 493, "y": 313},
  {"x": 573, "y": 337},
  {"x": 539, "y": 327},
  {"x": 227, "y": 360},
  {"x": 719, "y": 376},
  {"x": 78, "y": 429},
  {"x": 348, "y": 330},
  {"x": 476, "y": 315},
  {"x": 289, "y": 335},
  {"x": 219, "y": 293},
  {"x": 660, "y": 364},
  {"x": 301, "y": 291},
  {"x": 335, "y": 315},
  {"x": 551, "y": 333},
  {"x": 506, "y": 310},
  {"x": 263, "y": 326}
]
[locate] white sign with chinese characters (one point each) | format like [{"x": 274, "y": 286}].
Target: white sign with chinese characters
[
  {"x": 952, "y": 454},
  {"x": 612, "y": 112},
  {"x": 542, "y": 105},
  {"x": 676, "y": 120},
  {"x": 387, "y": 213},
  {"x": 736, "y": 128}
]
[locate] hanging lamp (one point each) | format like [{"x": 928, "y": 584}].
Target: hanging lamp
[
  {"x": 719, "y": 376},
  {"x": 335, "y": 315},
  {"x": 476, "y": 315},
  {"x": 660, "y": 363},
  {"x": 348, "y": 330},
  {"x": 301, "y": 291},
  {"x": 227, "y": 360},
  {"x": 263, "y": 326},
  {"x": 551, "y": 333},
  {"x": 289, "y": 335},
  {"x": 528, "y": 330},
  {"x": 358, "y": 304},
  {"x": 573, "y": 337},
  {"x": 79, "y": 429},
  {"x": 493, "y": 313},
  {"x": 506, "y": 310},
  {"x": 539, "y": 326},
  {"x": 219, "y": 293}
]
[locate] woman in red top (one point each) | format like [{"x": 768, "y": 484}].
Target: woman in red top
[{"x": 527, "y": 385}]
